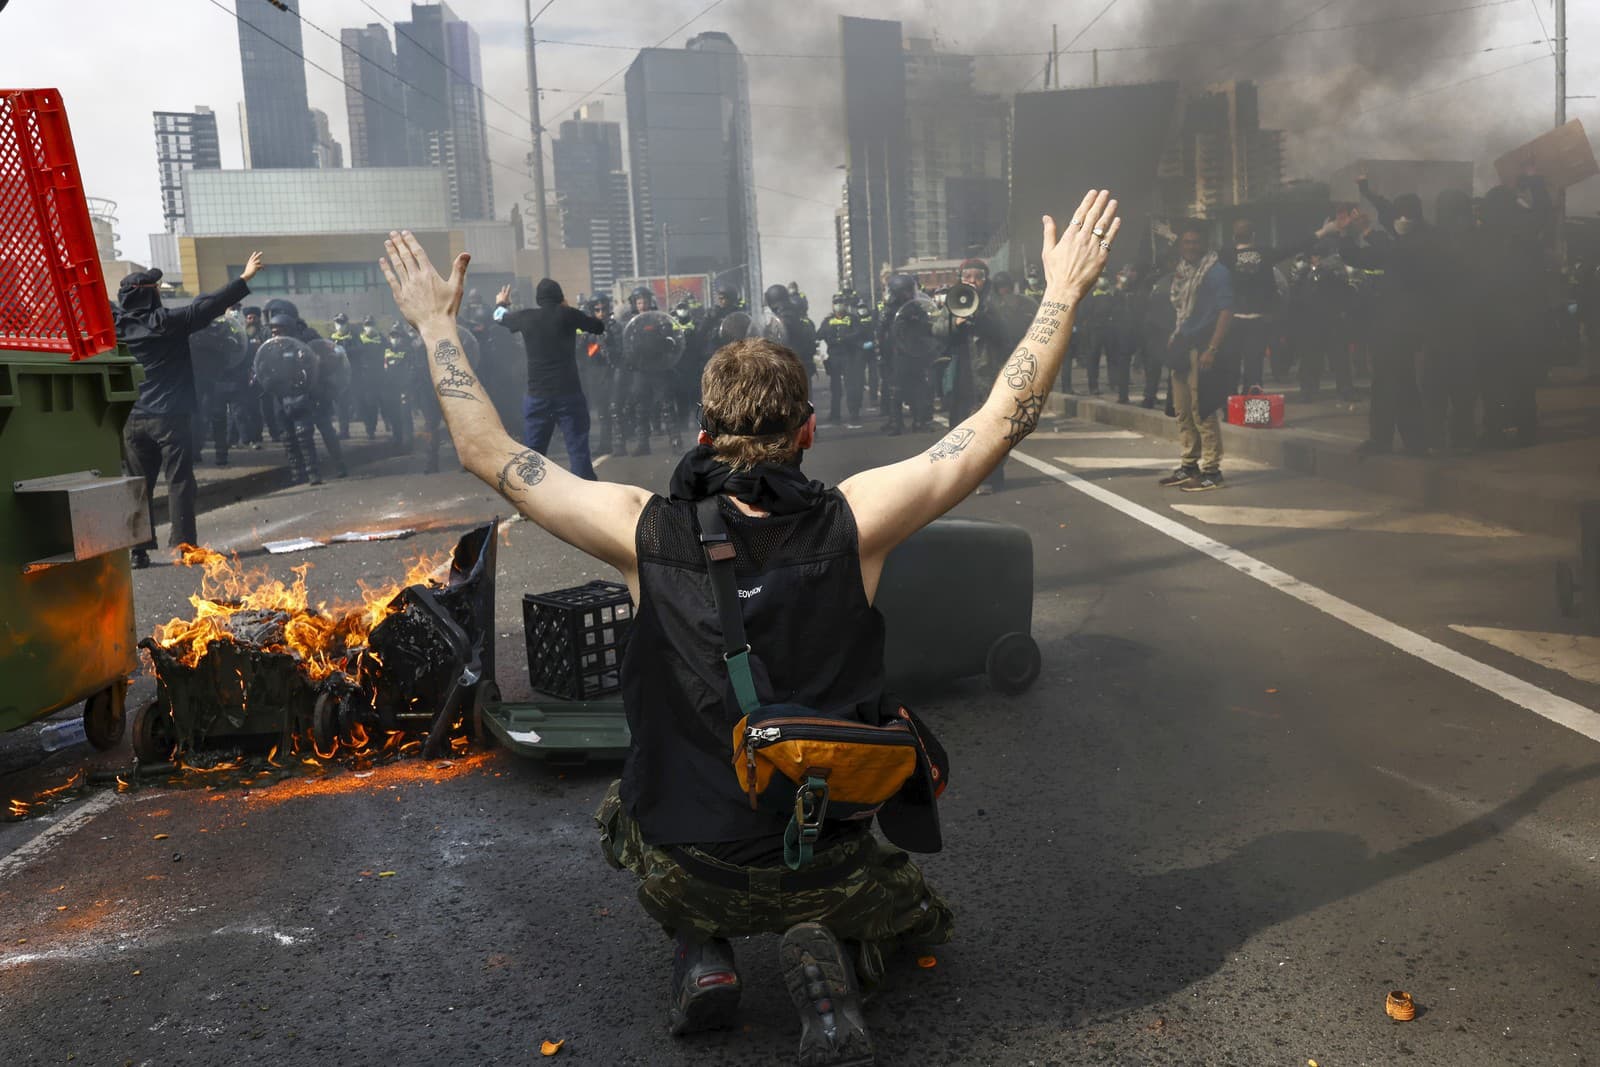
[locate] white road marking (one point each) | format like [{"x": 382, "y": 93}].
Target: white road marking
[
  {"x": 1152, "y": 463},
  {"x": 1541, "y": 702},
  {"x": 1336, "y": 519},
  {"x": 74, "y": 819},
  {"x": 1571, "y": 654},
  {"x": 597, "y": 463},
  {"x": 1087, "y": 435}
]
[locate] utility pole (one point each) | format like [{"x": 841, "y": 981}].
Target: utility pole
[
  {"x": 1055, "y": 56},
  {"x": 538, "y": 141},
  {"x": 1097, "y": 67},
  {"x": 1561, "y": 119},
  {"x": 666, "y": 263}
]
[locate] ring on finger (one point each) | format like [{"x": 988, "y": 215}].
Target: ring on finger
[
  {"x": 1077, "y": 222},
  {"x": 1106, "y": 245},
  {"x": 1099, "y": 231}
]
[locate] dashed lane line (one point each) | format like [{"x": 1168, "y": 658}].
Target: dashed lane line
[
  {"x": 1541, "y": 702},
  {"x": 1576, "y": 655},
  {"x": 1151, "y": 463},
  {"x": 1429, "y": 523},
  {"x": 74, "y": 819}
]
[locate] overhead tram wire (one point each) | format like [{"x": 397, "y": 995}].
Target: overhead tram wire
[
  {"x": 1296, "y": 24},
  {"x": 355, "y": 89},
  {"x": 1540, "y": 16},
  {"x": 1393, "y": 102}
]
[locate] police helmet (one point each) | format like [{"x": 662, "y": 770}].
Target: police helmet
[
  {"x": 602, "y": 300},
  {"x": 341, "y": 319},
  {"x": 1003, "y": 280},
  {"x": 902, "y": 286},
  {"x": 369, "y": 321},
  {"x": 280, "y": 321},
  {"x": 776, "y": 296},
  {"x": 730, "y": 292},
  {"x": 396, "y": 327},
  {"x": 646, "y": 293}
]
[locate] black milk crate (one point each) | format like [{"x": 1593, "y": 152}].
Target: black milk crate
[{"x": 575, "y": 638}]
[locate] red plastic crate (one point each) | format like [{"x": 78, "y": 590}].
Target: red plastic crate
[
  {"x": 52, "y": 294},
  {"x": 1258, "y": 410}
]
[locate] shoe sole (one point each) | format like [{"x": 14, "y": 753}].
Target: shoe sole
[
  {"x": 837, "y": 1038},
  {"x": 1202, "y": 488},
  {"x": 714, "y": 1008},
  {"x": 1168, "y": 483}
]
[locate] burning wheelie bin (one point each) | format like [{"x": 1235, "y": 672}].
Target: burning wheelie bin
[{"x": 67, "y": 516}]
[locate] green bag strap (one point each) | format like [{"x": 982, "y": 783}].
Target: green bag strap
[
  {"x": 720, "y": 555},
  {"x": 800, "y": 836}
]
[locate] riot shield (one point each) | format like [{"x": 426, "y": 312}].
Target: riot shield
[
  {"x": 333, "y": 367},
  {"x": 921, "y": 331},
  {"x": 773, "y": 329},
  {"x": 649, "y": 342},
  {"x": 285, "y": 367},
  {"x": 735, "y": 326}
]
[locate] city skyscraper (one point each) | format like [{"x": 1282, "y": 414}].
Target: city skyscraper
[
  {"x": 1221, "y": 156},
  {"x": 185, "y": 140},
  {"x": 437, "y": 57},
  {"x": 592, "y": 189},
  {"x": 277, "y": 127},
  {"x": 957, "y": 157},
  {"x": 328, "y": 152},
  {"x": 875, "y": 134},
  {"x": 377, "y": 119},
  {"x": 689, "y": 141}
]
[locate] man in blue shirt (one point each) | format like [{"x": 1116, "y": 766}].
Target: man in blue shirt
[{"x": 1202, "y": 296}]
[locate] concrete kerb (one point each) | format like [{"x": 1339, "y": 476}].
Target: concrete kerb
[
  {"x": 221, "y": 489},
  {"x": 1453, "y": 485}
]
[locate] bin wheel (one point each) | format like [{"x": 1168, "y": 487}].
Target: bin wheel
[
  {"x": 485, "y": 694},
  {"x": 325, "y": 733},
  {"x": 1013, "y": 663},
  {"x": 153, "y": 739},
  {"x": 105, "y": 714},
  {"x": 1566, "y": 589}
]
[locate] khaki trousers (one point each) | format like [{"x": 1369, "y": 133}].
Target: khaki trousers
[{"x": 1202, "y": 438}]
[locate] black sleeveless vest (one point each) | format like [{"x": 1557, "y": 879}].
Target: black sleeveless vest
[{"x": 815, "y": 641}]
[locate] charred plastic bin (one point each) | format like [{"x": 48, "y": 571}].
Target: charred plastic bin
[
  {"x": 67, "y": 519},
  {"x": 957, "y": 599}
]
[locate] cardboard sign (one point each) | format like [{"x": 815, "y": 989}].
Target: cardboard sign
[{"x": 1563, "y": 158}]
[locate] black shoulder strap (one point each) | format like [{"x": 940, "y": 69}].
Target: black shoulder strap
[{"x": 720, "y": 554}]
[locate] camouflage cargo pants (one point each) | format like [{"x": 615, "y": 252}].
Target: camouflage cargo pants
[{"x": 880, "y": 902}]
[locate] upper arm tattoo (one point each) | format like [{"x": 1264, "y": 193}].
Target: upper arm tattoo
[
  {"x": 454, "y": 379},
  {"x": 954, "y": 443},
  {"x": 523, "y": 470}
]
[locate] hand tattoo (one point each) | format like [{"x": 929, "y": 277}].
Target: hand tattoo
[
  {"x": 1025, "y": 418},
  {"x": 955, "y": 442},
  {"x": 526, "y": 467},
  {"x": 1019, "y": 373}
]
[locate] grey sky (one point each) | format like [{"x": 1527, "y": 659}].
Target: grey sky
[{"x": 115, "y": 61}]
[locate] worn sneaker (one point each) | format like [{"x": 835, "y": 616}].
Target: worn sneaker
[
  {"x": 1181, "y": 475},
  {"x": 705, "y": 986},
  {"x": 823, "y": 986},
  {"x": 1203, "y": 482}
]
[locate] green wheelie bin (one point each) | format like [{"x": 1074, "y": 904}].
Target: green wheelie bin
[{"x": 67, "y": 519}]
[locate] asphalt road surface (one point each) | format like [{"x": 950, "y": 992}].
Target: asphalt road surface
[{"x": 1291, "y": 749}]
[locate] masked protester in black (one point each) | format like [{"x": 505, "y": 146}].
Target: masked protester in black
[
  {"x": 1403, "y": 310},
  {"x": 159, "y": 434},
  {"x": 1321, "y": 303},
  {"x": 1126, "y": 333},
  {"x": 1506, "y": 311},
  {"x": 1255, "y": 296}
]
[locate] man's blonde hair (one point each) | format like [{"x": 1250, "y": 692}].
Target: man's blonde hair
[{"x": 748, "y": 385}]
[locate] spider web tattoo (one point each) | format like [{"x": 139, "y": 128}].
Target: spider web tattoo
[{"x": 1025, "y": 418}]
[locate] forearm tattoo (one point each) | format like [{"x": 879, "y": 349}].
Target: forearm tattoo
[
  {"x": 522, "y": 471},
  {"x": 1021, "y": 370},
  {"x": 1024, "y": 418},
  {"x": 955, "y": 442},
  {"x": 455, "y": 381},
  {"x": 1055, "y": 305}
]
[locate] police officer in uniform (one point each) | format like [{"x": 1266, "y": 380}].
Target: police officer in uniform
[
  {"x": 303, "y": 411},
  {"x": 600, "y": 361},
  {"x": 344, "y": 337},
  {"x": 365, "y": 352},
  {"x": 641, "y": 391},
  {"x": 867, "y": 316},
  {"x": 1034, "y": 289},
  {"x": 905, "y": 375},
  {"x": 799, "y": 334},
  {"x": 396, "y": 380},
  {"x": 845, "y": 335}
]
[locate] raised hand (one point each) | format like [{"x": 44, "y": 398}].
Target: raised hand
[
  {"x": 251, "y": 266},
  {"x": 419, "y": 292},
  {"x": 1076, "y": 257}
]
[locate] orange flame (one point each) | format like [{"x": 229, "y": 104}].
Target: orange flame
[{"x": 317, "y": 634}]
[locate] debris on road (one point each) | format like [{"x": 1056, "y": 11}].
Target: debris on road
[
  {"x": 550, "y": 1048},
  {"x": 1400, "y": 1007}
]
